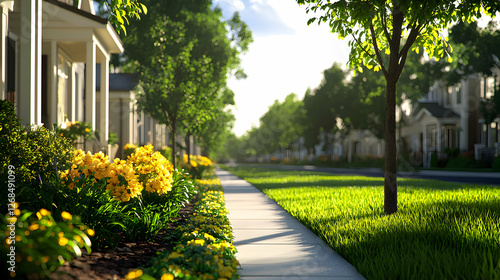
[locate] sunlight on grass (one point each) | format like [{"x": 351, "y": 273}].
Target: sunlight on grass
[{"x": 441, "y": 231}]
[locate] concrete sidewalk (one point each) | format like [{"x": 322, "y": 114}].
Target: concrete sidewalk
[{"x": 271, "y": 243}]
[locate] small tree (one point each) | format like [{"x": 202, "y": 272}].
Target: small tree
[{"x": 394, "y": 27}]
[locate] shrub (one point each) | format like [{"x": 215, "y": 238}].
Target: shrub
[
  {"x": 138, "y": 196},
  {"x": 167, "y": 153},
  {"x": 434, "y": 160},
  {"x": 31, "y": 152},
  {"x": 459, "y": 162},
  {"x": 196, "y": 165},
  {"x": 94, "y": 189},
  {"x": 205, "y": 250},
  {"x": 73, "y": 131},
  {"x": 129, "y": 149},
  {"x": 496, "y": 163},
  {"x": 41, "y": 242}
]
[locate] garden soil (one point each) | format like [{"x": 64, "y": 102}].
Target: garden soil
[{"x": 115, "y": 264}]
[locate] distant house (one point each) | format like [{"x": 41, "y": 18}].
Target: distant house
[
  {"x": 48, "y": 63},
  {"x": 448, "y": 119},
  {"x": 362, "y": 144}
]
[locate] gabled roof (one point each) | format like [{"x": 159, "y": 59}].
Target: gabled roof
[
  {"x": 78, "y": 11},
  {"x": 71, "y": 24},
  {"x": 123, "y": 81},
  {"x": 436, "y": 110},
  {"x": 118, "y": 81}
]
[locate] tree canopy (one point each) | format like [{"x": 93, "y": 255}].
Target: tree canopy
[
  {"x": 119, "y": 12},
  {"x": 191, "y": 52},
  {"x": 394, "y": 28}
]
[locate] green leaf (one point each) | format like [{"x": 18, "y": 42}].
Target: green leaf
[{"x": 144, "y": 8}]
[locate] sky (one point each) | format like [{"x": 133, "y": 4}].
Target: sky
[{"x": 287, "y": 56}]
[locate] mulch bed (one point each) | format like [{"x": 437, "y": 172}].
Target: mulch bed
[{"x": 115, "y": 264}]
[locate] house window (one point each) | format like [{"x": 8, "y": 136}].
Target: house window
[
  {"x": 458, "y": 93},
  {"x": 450, "y": 137},
  {"x": 487, "y": 87},
  {"x": 447, "y": 96}
]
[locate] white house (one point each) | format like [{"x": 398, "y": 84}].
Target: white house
[
  {"x": 448, "y": 118},
  {"x": 48, "y": 62}
]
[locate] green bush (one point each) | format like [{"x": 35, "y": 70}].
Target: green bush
[
  {"x": 496, "y": 163},
  {"x": 128, "y": 150},
  {"x": 434, "y": 160},
  {"x": 74, "y": 130},
  {"x": 459, "y": 162},
  {"x": 31, "y": 152},
  {"x": 167, "y": 153},
  {"x": 90, "y": 200},
  {"x": 33, "y": 155},
  {"x": 151, "y": 212}
]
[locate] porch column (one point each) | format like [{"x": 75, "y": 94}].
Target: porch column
[
  {"x": 38, "y": 62},
  {"x": 72, "y": 111},
  {"x": 104, "y": 105},
  {"x": 90, "y": 96},
  {"x": 27, "y": 62},
  {"x": 52, "y": 85},
  {"x": 3, "y": 49}
]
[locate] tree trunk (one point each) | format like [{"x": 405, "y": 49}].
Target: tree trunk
[
  {"x": 390, "y": 180},
  {"x": 174, "y": 144},
  {"x": 188, "y": 145}
]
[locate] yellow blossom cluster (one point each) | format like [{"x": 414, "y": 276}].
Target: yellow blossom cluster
[
  {"x": 154, "y": 170},
  {"x": 205, "y": 249},
  {"x": 194, "y": 161},
  {"x": 121, "y": 178},
  {"x": 120, "y": 169},
  {"x": 85, "y": 164},
  {"x": 196, "y": 164}
]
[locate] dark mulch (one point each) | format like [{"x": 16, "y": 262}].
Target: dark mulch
[{"x": 115, "y": 264}]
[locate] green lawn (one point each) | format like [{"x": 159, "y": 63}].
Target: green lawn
[{"x": 441, "y": 231}]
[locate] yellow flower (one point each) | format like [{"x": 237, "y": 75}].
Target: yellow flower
[
  {"x": 167, "y": 276},
  {"x": 90, "y": 232},
  {"x": 174, "y": 255},
  {"x": 87, "y": 129},
  {"x": 33, "y": 227},
  {"x": 66, "y": 216},
  {"x": 134, "y": 274},
  {"x": 44, "y": 212},
  {"x": 63, "y": 241}
]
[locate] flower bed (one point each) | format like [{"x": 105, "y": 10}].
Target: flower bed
[
  {"x": 61, "y": 201},
  {"x": 205, "y": 249}
]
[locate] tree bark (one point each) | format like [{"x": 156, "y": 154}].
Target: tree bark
[
  {"x": 188, "y": 145},
  {"x": 390, "y": 180},
  {"x": 174, "y": 143}
]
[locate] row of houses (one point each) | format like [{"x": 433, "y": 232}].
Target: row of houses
[
  {"x": 54, "y": 66},
  {"x": 447, "y": 120}
]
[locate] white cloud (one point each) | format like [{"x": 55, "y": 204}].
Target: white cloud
[
  {"x": 278, "y": 65},
  {"x": 230, "y": 5}
]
